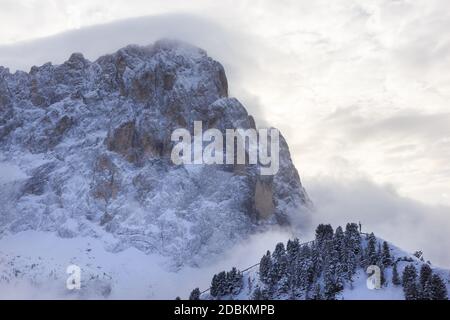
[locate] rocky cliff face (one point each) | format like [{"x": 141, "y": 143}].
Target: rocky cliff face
[{"x": 91, "y": 141}]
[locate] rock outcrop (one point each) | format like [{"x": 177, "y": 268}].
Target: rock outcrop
[{"x": 94, "y": 140}]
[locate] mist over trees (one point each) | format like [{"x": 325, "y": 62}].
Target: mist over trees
[{"x": 321, "y": 269}]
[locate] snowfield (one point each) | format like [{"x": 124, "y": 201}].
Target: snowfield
[{"x": 33, "y": 266}]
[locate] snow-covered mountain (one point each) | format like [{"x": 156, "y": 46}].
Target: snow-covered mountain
[
  {"x": 341, "y": 265},
  {"x": 85, "y": 152},
  {"x": 86, "y": 179}
]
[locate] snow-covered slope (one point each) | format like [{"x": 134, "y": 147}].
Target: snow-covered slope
[
  {"x": 327, "y": 269},
  {"x": 86, "y": 147},
  {"x": 33, "y": 265}
]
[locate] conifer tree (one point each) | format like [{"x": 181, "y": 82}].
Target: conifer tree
[
  {"x": 223, "y": 286},
  {"x": 424, "y": 280},
  {"x": 219, "y": 285},
  {"x": 438, "y": 288},
  {"x": 426, "y": 292},
  {"x": 371, "y": 253},
  {"x": 294, "y": 264},
  {"x": 329, "y": 290},
  {"x": 234, "y": 281},
  {"x": 379, "y": 255},
  {"x": 292, "y": 250},
  {"x": 279, "y": 261},
  {"x": 419, "y": 255},
  {"x": 409, "y": 283},
  {"x": 395, "y": 277},
  {"x": 214, "y": 290},
  {"x": 353, "y": 250},
  {"x": 340, "y": 245},
  {"x": 316, "y": 259},
  {"x": 195, "y": 294},
  {"x": 332, "y": 281},
  {"x": 304, "y": 269},
  {"x": 383, "y": 280},
  {"x": 265, "y": 267},
  {"x": 337, "y": 258},
  {"x": 257, "y": 294},
  {"x": 324, "y": 232},
  {"x": 386, "y": 255}
]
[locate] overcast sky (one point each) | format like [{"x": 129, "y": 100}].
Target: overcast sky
[{"x": 360, "y": 89}]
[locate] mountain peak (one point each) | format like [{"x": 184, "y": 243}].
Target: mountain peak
[{"x": 94, "y": 141}]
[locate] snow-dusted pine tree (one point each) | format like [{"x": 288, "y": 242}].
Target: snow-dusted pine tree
[
  {"x": 395, "y": 277},
  {"x": 425, "y": 275},
  {"x": 438, "y": 288},
  {"x": 279, "y": 261},
  {"x": 371, "y": 257},
  {"x": 353, "y": 250},
  {"x": 265, "y": 267},
  {"x": 386, "y": 255},
  {"x": 195, "y": 294},
  {"x": 409, "y": 282}
]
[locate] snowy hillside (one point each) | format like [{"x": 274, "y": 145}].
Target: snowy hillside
[
  {"x": 332, "y": 266},
  {"x": 33, "y": 265}
]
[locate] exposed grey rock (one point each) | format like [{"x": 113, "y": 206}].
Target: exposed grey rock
[{"x": 94, "y": 138}]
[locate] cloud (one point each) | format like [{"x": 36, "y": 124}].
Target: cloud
[
  {"x": 233, "y": 49},
  {"x": 408, "y": 148},
  {"x": 409, "y": 224},
  {"x": 106, "y": 38}
]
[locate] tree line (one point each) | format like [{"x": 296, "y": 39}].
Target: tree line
[{"x": 321, "y": 269}]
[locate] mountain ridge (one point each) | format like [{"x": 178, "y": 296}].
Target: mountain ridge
[{"x": 91, "y": 144}]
